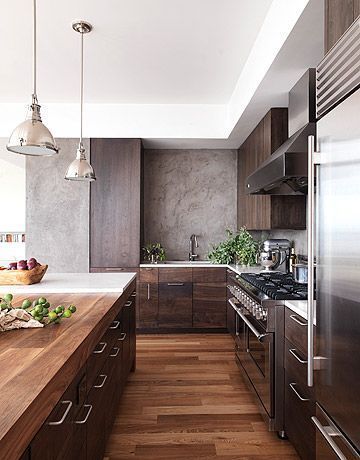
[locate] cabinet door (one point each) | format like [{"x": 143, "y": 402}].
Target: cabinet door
[
  {"x": 148, "y": 304},
  {"x": 115, "y": 203},
  {"x": 175, "y": 305},
  {"x": 209, "y": 305}
]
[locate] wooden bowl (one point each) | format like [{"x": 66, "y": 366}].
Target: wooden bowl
[{"x": 33, "y": 276}]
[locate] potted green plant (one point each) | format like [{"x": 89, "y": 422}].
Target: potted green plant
[
  {"x": 240, "y": 248},
  {"x": 154, "y": 252}
]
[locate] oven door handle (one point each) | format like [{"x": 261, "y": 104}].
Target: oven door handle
[{"x": 258, "y": 335}]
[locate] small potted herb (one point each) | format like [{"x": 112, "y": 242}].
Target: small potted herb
[{"x": 154, "y": 252}]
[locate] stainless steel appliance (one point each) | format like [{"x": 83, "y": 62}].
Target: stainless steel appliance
[
  {"x": 285, "y": 172},
  {"x": 258, "y": 302},
  {"x": 275, "y": 253},
  {"x": 333, "y": 233}
]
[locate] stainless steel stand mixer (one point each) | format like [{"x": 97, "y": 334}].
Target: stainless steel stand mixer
[{"x": 275, "y": 253}]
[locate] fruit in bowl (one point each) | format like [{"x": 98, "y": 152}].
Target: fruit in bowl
[{"x": 24, "y": 264}]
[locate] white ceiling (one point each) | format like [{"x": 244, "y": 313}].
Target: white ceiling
[
  {"x": 177, "y": 73},
  {"x": 139, "y": 52}
]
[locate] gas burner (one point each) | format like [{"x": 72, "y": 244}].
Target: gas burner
[{"x": 277, "y": 286}]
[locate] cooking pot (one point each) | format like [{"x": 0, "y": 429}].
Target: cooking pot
[{"x": 300, "y": 273}]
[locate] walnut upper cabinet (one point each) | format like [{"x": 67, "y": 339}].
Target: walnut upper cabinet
[
  {"x": 339, "y": 15},
  {"x": 265, "y": 212},
  {"x": 115, "y": 203}
]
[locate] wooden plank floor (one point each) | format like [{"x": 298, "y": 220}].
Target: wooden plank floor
[{"x": 187, "y": 400}]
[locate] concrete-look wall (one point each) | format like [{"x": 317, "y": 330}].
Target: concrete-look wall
[
  {"x": 57, "y": 211},
  {"x": 186, "y": 192}
]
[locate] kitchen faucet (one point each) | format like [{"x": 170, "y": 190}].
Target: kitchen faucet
[{"x": 193, "y": 244}]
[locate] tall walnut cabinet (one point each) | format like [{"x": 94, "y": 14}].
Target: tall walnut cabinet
[{"x": 115, "y": 204}]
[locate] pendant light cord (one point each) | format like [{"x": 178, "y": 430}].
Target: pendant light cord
[
  {"x": 34, "y": 95},
  {"x": 81, "y": 87}
]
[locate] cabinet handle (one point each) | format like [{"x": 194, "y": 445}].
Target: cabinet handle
[
  {"x": 292, "y": 386},
  {"x": 102, "y": 348},
  {"x": 115, "y": 269},
  {"x": 114, "y": 355},
  {"x": 175, "y": 284},
  {"x": 296, "y": 356},
  {"x": 115, "y": 325},
  {"x": 103, "y": 382},
  {"x": 61, "y": 421},
  {"x": 122, "y": 337},
  {"x": 128, "y": 303},
  {"x": 148, "y": 291},
  {"x": 329, "y": 432},
  {"x": 298, "y": 321},
  {"x": 89, "y": 407},
  {"x": 133, "y": 294}
]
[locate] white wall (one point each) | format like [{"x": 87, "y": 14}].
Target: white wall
[{"x": 12, "y": 201}]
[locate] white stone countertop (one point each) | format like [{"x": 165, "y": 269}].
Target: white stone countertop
[
  {"x": 74, "y": 283},
  {"x": 201, "y": 264}
]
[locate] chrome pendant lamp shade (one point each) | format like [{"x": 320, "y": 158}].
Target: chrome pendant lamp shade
[
  {"x": 80, "y": 169},
  {"x": 32, "y": 137}
]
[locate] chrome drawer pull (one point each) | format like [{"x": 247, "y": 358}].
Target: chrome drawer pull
[
  {"x": 61, "y": 421},
  {"x": 114, "y": 269},
  {"x": 128, "y": 303},
  {"x": 175, "y": 284},
  {"x": 89, "y": 407},
  {"x": 133, "y": 294},
  {"x": 329, "y": 432},
  {"x": 295, "y": 355},
  {"x": 114, "y": 355},
  {"x": 295, "y": 318},
  {"x": 102, "y": 348},
  {"x": 292, "y": 386},
  {"x": 122, "y": 337},
  {"x": 115, "y": 325},
  {"x": 103, "y": 382}
]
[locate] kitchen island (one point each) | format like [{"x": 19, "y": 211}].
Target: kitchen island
[{"x": 39, "y": 365}]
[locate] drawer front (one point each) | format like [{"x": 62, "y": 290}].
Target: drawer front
[
  {"x": 296, "y": 330},
  {"x": 175, "y": 275},
  {"x": 296, "y": 365},
  {"x": 175, "y": 305},
  {"x": 298, "y": 424},
  {"x": 209, "y": 275},
  {"x": 149, "y": 275}
]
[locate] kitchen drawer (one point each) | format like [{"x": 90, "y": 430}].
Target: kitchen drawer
[
  {"x": 296, "y": 367},
  {"x": 209, "y": 275},
  {"x": 175, "y": 305},
  {"x": 296, "y": 330},
  {"x": 149, "y": 275},
  {"x": 175, "y": 275},
  {"x": 299, "y": 408}
]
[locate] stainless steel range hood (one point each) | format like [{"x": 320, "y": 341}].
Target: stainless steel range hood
[{"x": 285, "y": 172}]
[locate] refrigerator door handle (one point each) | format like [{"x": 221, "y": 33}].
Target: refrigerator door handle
[
  {"x": 311, "y": 252},
  {"x": 328, "y": 433}
]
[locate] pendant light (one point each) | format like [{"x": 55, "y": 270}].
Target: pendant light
[
  {"x": 80, "y": 169},
  {"x": 32, "y": 137}
]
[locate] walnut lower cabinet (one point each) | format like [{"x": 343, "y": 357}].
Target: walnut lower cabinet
[
  {"x": 182, "y": 298},
  {"x": 299, "y": 398},
  {"x": 79, "y": 425}
]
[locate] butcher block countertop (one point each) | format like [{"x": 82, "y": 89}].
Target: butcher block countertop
[{"x": 37, "y": 365}]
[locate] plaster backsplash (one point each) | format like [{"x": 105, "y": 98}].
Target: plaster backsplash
[{"x": 186, "y": 192}]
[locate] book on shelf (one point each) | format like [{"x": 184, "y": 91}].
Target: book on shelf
[{"x": 12, "y": 237}]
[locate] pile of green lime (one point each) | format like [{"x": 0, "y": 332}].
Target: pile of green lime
[{"x": 40, "y": 309}]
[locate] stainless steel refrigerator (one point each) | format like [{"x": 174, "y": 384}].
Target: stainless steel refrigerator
[{"x": 337, "y": 248}]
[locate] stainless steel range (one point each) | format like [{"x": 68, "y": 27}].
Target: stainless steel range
[{"x": 258, "y": 304}]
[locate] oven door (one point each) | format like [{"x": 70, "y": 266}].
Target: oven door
[{"x": 255, "y": 351}]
